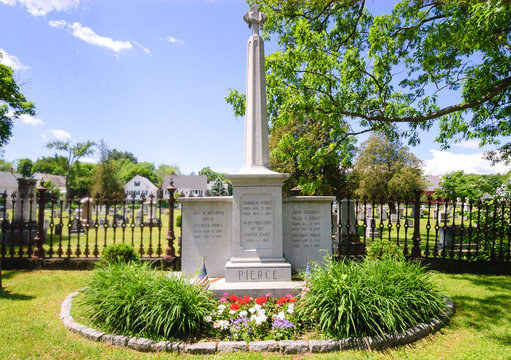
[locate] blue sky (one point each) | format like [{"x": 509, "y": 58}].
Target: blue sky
[{"x": 149, "y": 77}]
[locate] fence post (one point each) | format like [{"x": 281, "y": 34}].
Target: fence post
[
  {"x": 416, "y": 250},
  {"x": 170, "y": 252},
  {"x": 41, "y": 236}
]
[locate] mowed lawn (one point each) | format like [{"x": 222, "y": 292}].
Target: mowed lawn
[{"x": 30, "y": 327}]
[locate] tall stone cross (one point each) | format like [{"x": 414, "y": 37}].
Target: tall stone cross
[
  {"x": 253, "y": 18},
  {"x": 257, "y": 158}
]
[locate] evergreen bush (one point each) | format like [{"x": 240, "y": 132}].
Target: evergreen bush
[{"x": 120, "y": 253}]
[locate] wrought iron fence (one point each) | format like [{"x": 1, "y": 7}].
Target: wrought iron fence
[
  {"x": 455, "y": 229},
  {"x": 48, "y": 227}
]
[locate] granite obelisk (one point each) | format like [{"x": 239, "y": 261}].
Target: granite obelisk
[{"x": 256, "y": 243}]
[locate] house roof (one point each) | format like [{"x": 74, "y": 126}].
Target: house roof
[
  {"x": 9, "y": 180},
  {"x": 57, "y": 180},
  {"x": 432, "y": 182},
  {"x": 143, "y": 179},
  {"x": 195, "y": 182}
]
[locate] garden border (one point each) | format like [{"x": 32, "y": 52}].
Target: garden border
[{"x": 368, "y": 343}]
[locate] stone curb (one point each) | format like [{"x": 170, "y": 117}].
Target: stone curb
[{"x": 369, "y": 343}]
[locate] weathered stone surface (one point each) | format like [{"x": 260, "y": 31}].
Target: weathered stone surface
[
  {"x": 68, "y": 320},
  {"x": 65, "y": 309},
  {"x": 176, "y": 347},
  {"x": 378, "y": 342},
  {"x": 263, "y": 346},
  {"x": 352, "y": 344},
  {"x": 423, "y": 330},
  {"x": 141, "y": 344},
  {"x": 91, "y": 334},
  {"x": 120, "y": 340},
  {"x": 107, "y": 339},
  {"x": 232, "y": 346},
  {"x": 293, "y": 346},
  {"x": 321, "y": 346},
  {"x": 163, "y": 346},
  {"x": 75, "y": 327},
  {"x": 435, "y": 324},
  {"x": 201, "y": 348}
]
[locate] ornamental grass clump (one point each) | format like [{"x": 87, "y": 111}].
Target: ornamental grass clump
[
  {"x": 244, "y": 318},
  {"x": 353, "y": 298},
  {"x": 133, "y": 299}
]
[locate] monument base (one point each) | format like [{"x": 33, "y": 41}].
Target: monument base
[
  {"x": 257, "y": 271},
  {"x": 255, "y": 289}
]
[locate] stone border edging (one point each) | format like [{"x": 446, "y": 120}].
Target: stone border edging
[{"x": 368, "y": 343}]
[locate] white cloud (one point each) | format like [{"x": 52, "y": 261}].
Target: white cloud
[
  {"x": 146, "y": 50},
  {"x": 174, "y": 40},
  {"x": 30, "y": 120},
  {"x": 88, "y": 160},
  {"x": 12, "y": 61},
  {"x": 444, "y": 162},
  {"x": 43, "y": 7},
  {"x": 89, "y": 36},
  {"x": 60, "y": 134},
  {"x": 467, "y": 144}
]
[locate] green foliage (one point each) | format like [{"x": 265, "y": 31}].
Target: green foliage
[
  {"x": 81, "y": 179},
  {"x": 210, "y": 174},
  {"x": 384, "y": 249},
  {"x": 471, "y": 186},
  {"x": 363, "y": 72},
  {"x": 179, "y": 220},
  {"x": 115, "y": 154},
  {"x": 351, "y": 298},
  {"x": 13, "y": 103},
  {"x": 133, "y": 299},
  {"x": 386, "y": 167},
  {"x": 218, "y": 188},
  {"x": 24, "y": 167},
  {"x": 5, "y": 165},
  {"x": 55, "y": 165},
  {"x": 163, "y": 170},
  {"x": 120, "y": 253},
  {"x": 106, "y": 180},
  {"x": 128, "y": 170}
]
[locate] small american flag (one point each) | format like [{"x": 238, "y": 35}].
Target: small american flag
[
  {"x": 202, "y": 278},
  {"x": 305, "y": 286}
]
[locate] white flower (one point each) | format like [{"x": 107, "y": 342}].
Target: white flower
[
  {"x": 221, "y": 307},
  {"x": 243, "y": 313},
  {"x": 222, "y": 324},
  {"x": 281, "y": 315},
  {"x": 207, "y": 318},
  {"x": 252, "y": 310},
  {"x": 257, "y": 307},
  {"x": 253, "y": 318},
  {"x": 261, "y": 318},
  {"x": 291, "y": 309},
  {"x": 261, "y": 312},
  {"x": 232, "y": 312}
]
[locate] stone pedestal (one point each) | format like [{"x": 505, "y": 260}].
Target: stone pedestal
[{"x": 257, "y": 227}]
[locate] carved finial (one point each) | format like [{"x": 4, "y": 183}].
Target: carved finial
[{"x": 254, "y": 18}]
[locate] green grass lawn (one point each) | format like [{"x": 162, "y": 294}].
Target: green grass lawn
[{"x": 31, "y": 328}]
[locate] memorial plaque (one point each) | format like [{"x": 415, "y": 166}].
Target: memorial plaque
[
  {"x": 307, "y": 229},
  {"x": 206, "y": 232},
  {"x": 256, "y": 221}
]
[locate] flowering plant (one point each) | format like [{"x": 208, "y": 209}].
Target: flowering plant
[{"x": 265, "y": 317}]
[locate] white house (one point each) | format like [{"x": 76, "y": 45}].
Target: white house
[
  {"x": 187, "y": 185},
  {"x": 139, "y": 186},
  {"x": 8, "y": 182},
  {"x": 58, "y": 181}
]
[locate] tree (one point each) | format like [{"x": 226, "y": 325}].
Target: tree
[
  {"x": 294, "y": 150},
  {"x": 163, "y": 170},
  {"x": 365, "y": 73},
  {"x": 115, "y": 154},
  {"x": 210, "y": 174},
  {"x": 128, "y": 170},
  {"x": 106, "y": 180},
  {"x": 74, "y": 152},
  {"x": 25, "y": 167},
  {"x": 81, "y": 179},
  {"x": 55, "y": 165},
  {"x": 471, "y": 186},
  {"x": 218, "y": 188},
  {"x": 384, "y": 167},
  {"x": 13, "y": 103}
]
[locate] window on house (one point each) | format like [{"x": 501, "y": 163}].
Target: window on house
[{"x": 136, "y": 183}]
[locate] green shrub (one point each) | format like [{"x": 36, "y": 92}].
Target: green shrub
[
  {"x": 383, "y": 249},
  {"x": 133, "y": 299},
  {"x": 120, "y": 253},
  {"x": 179, "y": 220},
  {"x": 353, "y": 298}
]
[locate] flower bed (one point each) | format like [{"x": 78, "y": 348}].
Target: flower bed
[{"x": 247, "y": 319}]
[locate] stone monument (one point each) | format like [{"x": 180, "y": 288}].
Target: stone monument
[
  {"x": 241, "y": 236},
  {"x": 23, "y": 228}
]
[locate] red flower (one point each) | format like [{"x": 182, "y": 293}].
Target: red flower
[
  {"x": 233, "y": 298},
  {"x": 282, "y": 300},
  {"x": 234, "y": 307},
  {"x": 246, "y": 299},
  {"x": 261, "y": 300},
  {"x": 292, "y": 299}
]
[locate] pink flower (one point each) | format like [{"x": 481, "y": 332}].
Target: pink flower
[
  {"x": 223, "y": 299},
  {"x": 268, "y": 295},
  {"x": 226, "y": 295}
]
